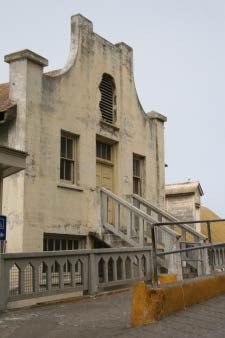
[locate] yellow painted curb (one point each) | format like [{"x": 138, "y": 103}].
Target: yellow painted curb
[
  {"x": 149, "y": 305},
  {"x": 167, "y": 278}
]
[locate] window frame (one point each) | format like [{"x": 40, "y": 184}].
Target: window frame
[
  {"x": 138, "y": 175},
  {"x": 71, "y": 160},
  {"x": 107, "y": 103},
  {"x": 49, "y": 242},
  {"x": 108, "y": 150}
]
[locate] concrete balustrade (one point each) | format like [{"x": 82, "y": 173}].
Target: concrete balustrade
[
  {"x": 28, "y": 276},
  {"x": 218, "y": 256},
  {"x": 130, "y": 223}
]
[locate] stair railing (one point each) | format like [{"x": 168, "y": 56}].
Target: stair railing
[
  {"x": 186, "y": 231},
  {"x": 130, "y": 223}
]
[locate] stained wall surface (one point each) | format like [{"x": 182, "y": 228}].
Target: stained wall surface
[
  {"x": 183, "y": 200},
  {"x": 36, "y": 201}
]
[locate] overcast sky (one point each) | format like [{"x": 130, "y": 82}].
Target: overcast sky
[{"x": 179, "y": 67}]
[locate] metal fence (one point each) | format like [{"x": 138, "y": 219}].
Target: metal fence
[
  {"x": 204, "y": 258},
  {"x": 34, "y": 275}
]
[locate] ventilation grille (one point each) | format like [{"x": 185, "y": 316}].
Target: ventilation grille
[{"x": 107, "y": 96}]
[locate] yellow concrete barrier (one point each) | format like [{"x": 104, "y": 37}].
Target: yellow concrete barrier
[
  {"x": 167, "y": 278},
  {"x": 149, "y": 305}
]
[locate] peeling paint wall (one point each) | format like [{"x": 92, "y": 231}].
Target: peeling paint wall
[
  {"x": 184, "y": 201},
  {"x": 69, "y": 100}
]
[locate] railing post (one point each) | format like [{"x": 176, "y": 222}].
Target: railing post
[
  {"x": 114, "y": 270},
  {"x": 141, "y": 231},
  {"x": 92, "y": 274},
  {"x": 117, "y": 216},
  {"x": 123, "y": 267},
  {"x": 104, "y": 206},
  {"x": 200, "y": 262},
  {"x": 4, "y": 288},
  {"x": 179, "y": 270},
  {"x": 49, "y": 277},
  {"x": 129, "y": 224},
  {"x": 206, "y": 262},
  {"x": 209, "y": 231},
  {"x": 223, "y": 257},
  {"x": 149, "y": 265},
  {"x": 183, "y": 235},
  {"x": 154, "y": 258},
  {"x": 174, "y": 260},
  {"x": 22, "y": 279},
  {"x": 36, "y": 277},
  {"x": 210, "y": 251},
  {"x": 61, "y": 275}
]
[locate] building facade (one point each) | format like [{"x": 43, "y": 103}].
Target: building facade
[
  {"x": 183, "y": 200},
  {"x": 82, "y": 127}
]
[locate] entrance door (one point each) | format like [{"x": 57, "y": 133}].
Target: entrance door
[
  {"x": 138, "y": 167},
  {"x": 104, "y": 172},
  {"x": 104, "y": 175}
]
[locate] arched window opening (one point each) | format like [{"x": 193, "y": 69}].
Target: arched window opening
[{"x": 107, "y": 104}]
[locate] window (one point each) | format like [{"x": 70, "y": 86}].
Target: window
[
  {"x": 57, "y": 242},
  {"x": 67, "y": 158},
  {"x": 61, "y": 242},
  {"x": 136, "y": 176},
  {"x": 103, "y": 150},
  {"x": 107, "y": 104}
]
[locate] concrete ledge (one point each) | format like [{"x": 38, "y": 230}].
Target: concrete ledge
[
  {"x": 155, "y": 115},
  {"x": 70, "y": 297},
  {"x": 149, "y": 305},
  {"x": 43, "y": 300},
  {"x": 26, "y": 54}
]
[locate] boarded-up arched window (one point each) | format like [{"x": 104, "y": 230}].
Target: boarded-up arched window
[{"x": 107, "y": 104}]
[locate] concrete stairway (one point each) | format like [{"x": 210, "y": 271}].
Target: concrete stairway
[{"x": 129, "y": 224}]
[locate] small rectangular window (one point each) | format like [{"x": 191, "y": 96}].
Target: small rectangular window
[
  {"x": 137, "y": 175},
  {"x": 69, "y": 149},
  {"x": 50, "y": 245},
  {"x": 63, "y": 147},
  {"x": 70, "y": 244},
  {"x": 103, "y": 150},
  {"x": 61, "y": 242},
  {"x": 68, "y": 158},
  {"x": 64, "y": 244},
  {"x": 76, "y": 244},
  {"x": 57, "y": 244},
  {"x": 45, "y": 245},
  {"x": 137, "y": 167}
]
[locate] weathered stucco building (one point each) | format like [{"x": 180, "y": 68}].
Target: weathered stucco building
[
  {"x": 183, "y": 200},
  {"x": 83, "y": 127}
]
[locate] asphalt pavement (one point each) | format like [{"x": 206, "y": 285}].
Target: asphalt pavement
[{"x": 109, "y": 316}]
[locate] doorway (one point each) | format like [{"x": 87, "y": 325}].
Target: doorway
[{"x": 104, "y": 171}]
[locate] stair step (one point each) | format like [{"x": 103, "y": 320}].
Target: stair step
[{"x": 114, "y": 241}]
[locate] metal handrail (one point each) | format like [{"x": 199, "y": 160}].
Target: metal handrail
[
  {"x": 210, "y": 246},
  {"x": 191, "y": 222}
]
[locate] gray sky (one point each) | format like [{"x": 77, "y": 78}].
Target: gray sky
[{"x": 179, "y": 66}]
